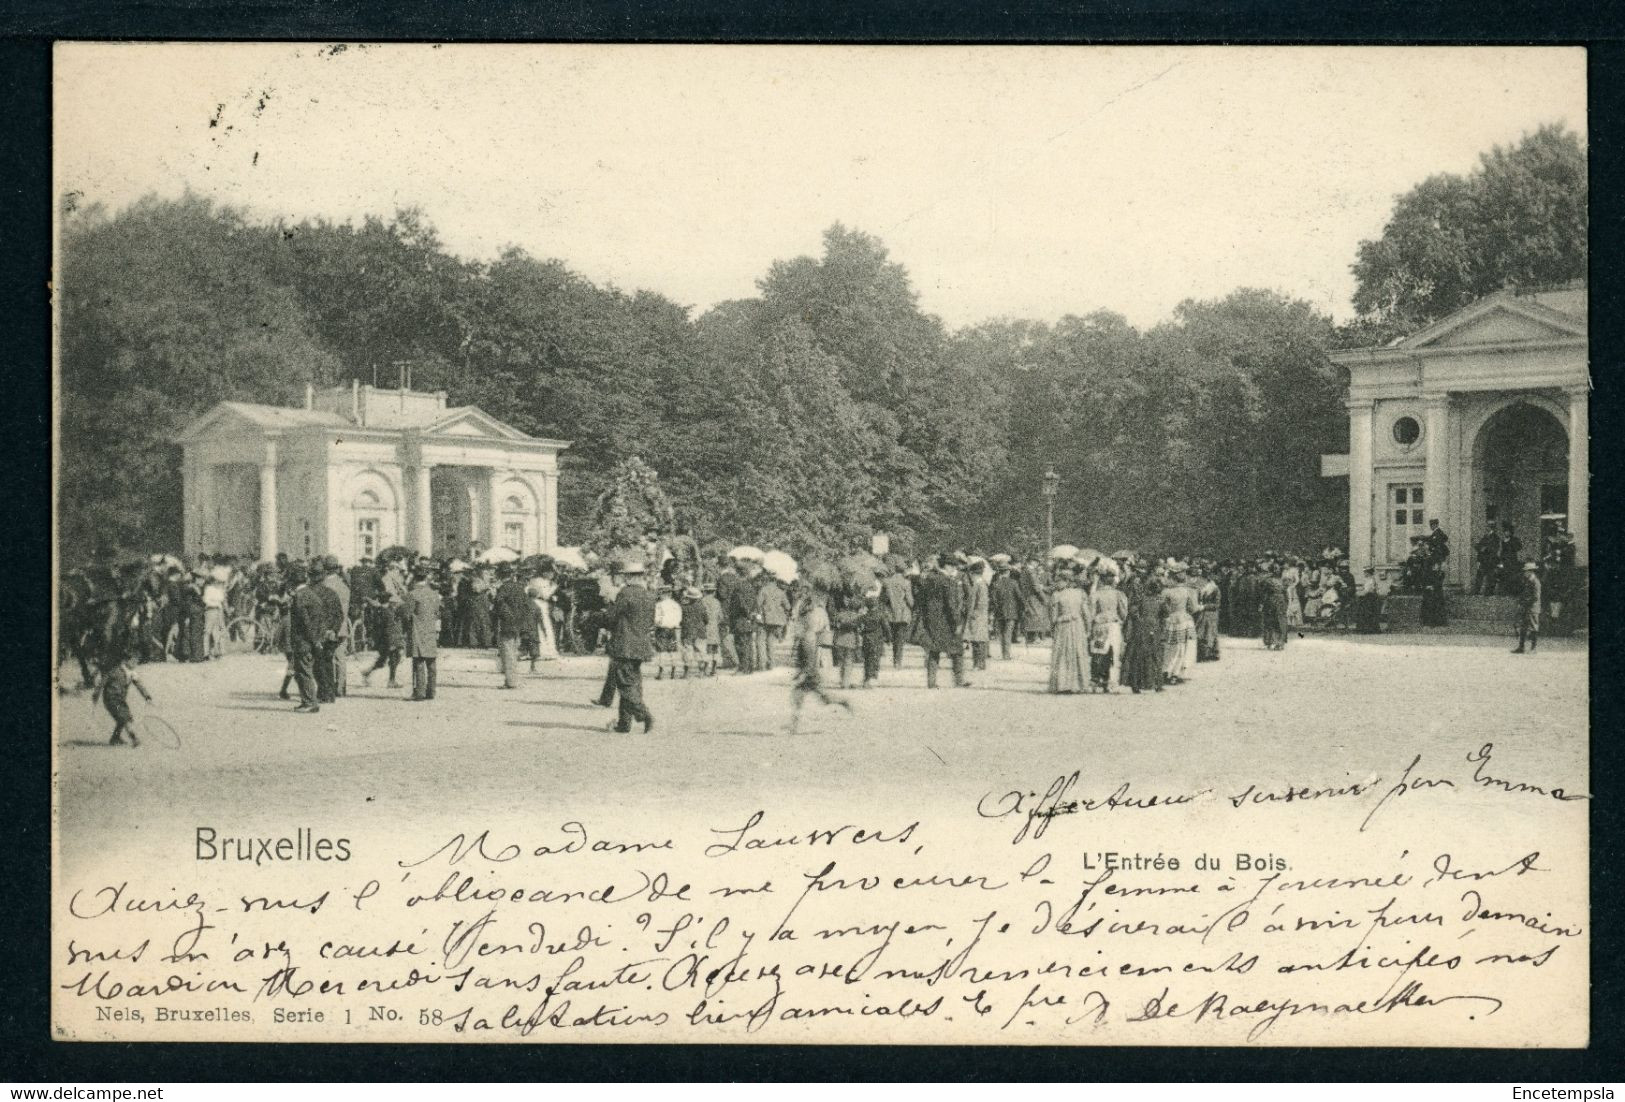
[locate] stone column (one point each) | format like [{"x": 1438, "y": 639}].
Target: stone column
[
  {"x": 1359, "y": 485},
  {"x": 493, "y": 507},
  {"x": 191, "y": 509},
  {"x": 549, "y": 520},
  {"x": 1580, "y": 471},
  {"x": 1436, "y": 481},
  {"x": 422, "y": 501},
  {"x": 268, "y": 522}
]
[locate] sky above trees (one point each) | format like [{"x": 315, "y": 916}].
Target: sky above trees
[{"x": 1012, "y": 182}]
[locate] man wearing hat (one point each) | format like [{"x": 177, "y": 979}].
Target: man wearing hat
[
  {"x": 940, "y": 620},
  {"x": 1528, "y": 608},
  {"x": 631, "y": 643},
  {"x": 511, "y": 613},
  {"x": 978, "y": 612},
  {"x": 334, "y": 581},
  {"x": 420, "y": 617},
  {"x": 1004, "y": 603},
  {"x": 388, "y": 633},
  {"x": 744, "y": 615},
  {"x": 309, "y": 626},
  {"x": 897, "y": 596}
]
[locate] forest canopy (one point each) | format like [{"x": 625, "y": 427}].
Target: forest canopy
[{"x": 827, "y": 407}]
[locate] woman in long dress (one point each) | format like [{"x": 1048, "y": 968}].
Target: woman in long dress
[
  {"x": 541, "y": 589},
  {"x": 1292, "y": 578},
  {"x": 1142, "y": 637},
  {"x": 1069, "y": 655}
]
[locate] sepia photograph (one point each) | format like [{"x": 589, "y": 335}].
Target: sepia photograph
[{"x": 723, "y": 544}]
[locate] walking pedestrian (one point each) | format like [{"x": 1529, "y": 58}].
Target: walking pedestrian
[{"x": 631, "y": 643}]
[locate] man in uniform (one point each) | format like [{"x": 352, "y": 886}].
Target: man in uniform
[
  {"x": 1528, "y": 608},
  {"x": 421, "y": 616},
  {"x": 631, "y": 643}
]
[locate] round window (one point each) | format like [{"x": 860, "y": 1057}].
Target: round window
[{"x": 1407, "y": 431}]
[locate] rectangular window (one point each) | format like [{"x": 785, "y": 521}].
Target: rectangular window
[
  {"x": 513, "y": 535},
  {"x": 366, "y": 538},
  {"x": 1408, "y": 520}
]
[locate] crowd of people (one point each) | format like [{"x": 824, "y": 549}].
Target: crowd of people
[{"x": 1143, "y": 622}]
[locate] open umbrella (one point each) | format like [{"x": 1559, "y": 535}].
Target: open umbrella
[
  {"x": 780, "y": 565},
  {"x": 1087, "y": 555},
  {"x": 499, "y": 554},
  {"x": 571, "y": 557},
  {"x": 1063, "y": 551},
  {"x": 746, "y": 551}
]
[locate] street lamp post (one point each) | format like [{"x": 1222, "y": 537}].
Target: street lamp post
[{"x": 1052, "y": 483}]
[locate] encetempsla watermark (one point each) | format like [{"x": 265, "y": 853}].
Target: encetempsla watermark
[{"x": 1561, "y": 1094}]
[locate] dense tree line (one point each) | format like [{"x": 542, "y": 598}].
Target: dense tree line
[{"x": 825, "y": 408}]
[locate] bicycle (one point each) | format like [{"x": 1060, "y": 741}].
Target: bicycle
[{"x": 248, "y": 635}]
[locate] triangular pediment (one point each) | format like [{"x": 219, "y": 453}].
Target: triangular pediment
[
  {"x": 473, "y": 422},
  {"x": 1498, "y": 321}
]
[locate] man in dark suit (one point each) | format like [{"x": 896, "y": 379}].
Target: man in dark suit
[
  {"x": 939, "y": 620},
  {"x": 512, "y": 612},
  {"x": 744, "y": 615},
  {"x": 1511, "y": 556},
  {"x": 421, "y": 617},
  {"x": 334, "y": 623},
  {"x": 311, "y": 624},
  {"x": 1004, "y": 595},
  {"x": 631, "y": 642}
]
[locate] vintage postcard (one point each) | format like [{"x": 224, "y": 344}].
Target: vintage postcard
[{"x": 693, "y": 544}]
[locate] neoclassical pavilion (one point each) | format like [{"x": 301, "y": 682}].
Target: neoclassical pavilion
[
  {"x": 360, "y": 468},
  {"x": 1479, "y": 418}
]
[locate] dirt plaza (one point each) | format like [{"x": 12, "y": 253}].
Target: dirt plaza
[{"x": 1325, "y": 709}]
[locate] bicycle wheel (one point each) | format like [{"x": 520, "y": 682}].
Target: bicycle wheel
[
  {"x": 245, "y": 635},
  {"x": 159, "y": 731}
]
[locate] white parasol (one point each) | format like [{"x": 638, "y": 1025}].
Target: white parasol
[
  {"x": 780, "y": 565},
  {"x": 1063, "y": 551},
  {"x": 499, "y": 554},
  {"x": 746, "y": 551},
  {"x": 571, "y": 557}
]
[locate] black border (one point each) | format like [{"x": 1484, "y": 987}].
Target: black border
[{"x": 26, "y": 29}]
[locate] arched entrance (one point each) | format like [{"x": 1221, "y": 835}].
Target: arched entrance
[
  {"x": 454, "y": 509},
  {"x": 1521, "y": 474}
]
